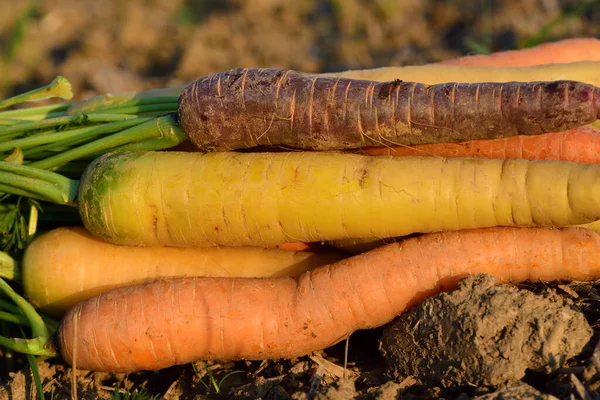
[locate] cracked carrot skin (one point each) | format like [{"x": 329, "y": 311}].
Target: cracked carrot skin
[
  {"x": 265, "y": 199},
  {"x": 154, "y": 326},
  {"x": 245, "y": 108},
  {"x": 67, "y": 265}
]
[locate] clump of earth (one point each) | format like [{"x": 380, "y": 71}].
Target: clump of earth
[{"x": 484, "y": 334}]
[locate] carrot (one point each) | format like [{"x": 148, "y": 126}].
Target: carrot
[
  {"x": 582, "y": 71},
  {"x": 300, "y": 246},
  {"x": 265, "y": 199},
  {"x": 562, "y": 51},
  {"x": 579, "y": 145},
  {"x": 170, "y": 322},
  {"x": 68, "y": 265},
  {"x": 245, "y": 108}
]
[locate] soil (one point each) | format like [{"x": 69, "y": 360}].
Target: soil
[
  {"x": 483, "y": 341},
  {"x": 483, "y": 334}
]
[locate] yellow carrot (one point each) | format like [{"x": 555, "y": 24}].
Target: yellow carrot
[
  {"x": 582, "y": 71},
  {"x": 185, "y": 199}
]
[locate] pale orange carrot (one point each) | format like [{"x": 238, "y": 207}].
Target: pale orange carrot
[
  {"x": 67, "y": 265},
  {"x": 578, "y": 145},
  {"x": 171, "y": 322},
  {"x": 562, "y": 51}
]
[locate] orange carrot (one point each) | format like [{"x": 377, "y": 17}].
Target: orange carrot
[
  {"x": 562, "y": 51},
  {"x": 578, "y": 145},
  {"x": 171, "y": 322},
  {"x": 300, "y": 246}
]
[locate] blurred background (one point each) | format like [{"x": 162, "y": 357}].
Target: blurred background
[{"x": 111, "y": 45}]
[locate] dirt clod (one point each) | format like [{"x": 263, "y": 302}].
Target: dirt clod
[
  {"x": 341, "y": 390},
  {"x": 483, "y": 334},
  {"x": 520, "y": 391}
]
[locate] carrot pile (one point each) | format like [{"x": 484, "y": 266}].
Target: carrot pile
[{"x": 488, "y": 163}]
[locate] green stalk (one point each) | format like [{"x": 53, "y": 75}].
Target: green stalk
[
  {"x": 17, "y": 319},
  {"x": 143, "y": 109},
  {"x": 19, "y": 191},
  {"x": 35, "y": 113},
  {"x": 36, "y": 374},
  {"x": 161, "y": 127},
  {"x": 50, "y": 323},
  {"x": 78, "y": 119},
  {"x": 10, "y": 121},
  {"x": 162, "y": 95},
  {"x": 142, "y": 101},
  {"x": 153, "y": 144},
  {"x": 139, "y": 102},
  {"x": 68, "y": 138},
  {"x": 97, "y": 102},
  {"x": 21, "y": 186},
  {"x": 42, "y": 138},
  {"x": 38, "y": 344},
  {"x": 59, "y": 87},
  {"x": 45, "y": 185}
]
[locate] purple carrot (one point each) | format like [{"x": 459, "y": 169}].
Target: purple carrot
[{"x": 244, "y": 108}]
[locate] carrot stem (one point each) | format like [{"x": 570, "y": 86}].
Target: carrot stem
[
  {"x": 78, "y": 136},
  {"x": 37, "y": 345},
  {"x": 140, "y": 103},
  {"x": 58, "y": 138},
  {"x": 59, "y": 87},
  {"x": 147, "y": 97},
  {"x": 37, "y": 183},
  {"x": 36, "y": 375},
  {"x": 35, "y": 113},
  {"x": 165, "y": 127},
  {"x": 135, "y": 109},
  {"x": 9, "y": 307},
  {"x": 78, "y": 119},
  {"x": 152, "y": 144},
  {"x": 17, "y": 319}
]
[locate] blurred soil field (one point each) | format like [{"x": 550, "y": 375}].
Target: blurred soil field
[{"x": 112, "y": 46}]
